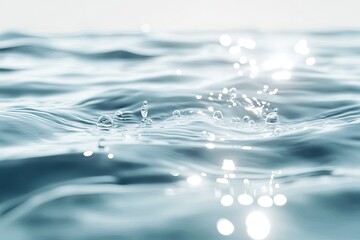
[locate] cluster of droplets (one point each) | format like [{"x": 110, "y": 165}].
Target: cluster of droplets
[
  {"x": 106, "y": 122},
  {"x": 271, "y": 119},
  {"x": 258, "y": 107},
  {"x": 144, "y": 114}
]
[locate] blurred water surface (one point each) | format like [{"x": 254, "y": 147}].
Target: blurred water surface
[{"x": 192, "y": 174}]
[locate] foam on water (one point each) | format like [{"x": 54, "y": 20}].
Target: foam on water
[{"x": 243, "y": 135}]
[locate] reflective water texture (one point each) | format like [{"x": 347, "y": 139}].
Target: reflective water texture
[{"x": 210, "y": 135}]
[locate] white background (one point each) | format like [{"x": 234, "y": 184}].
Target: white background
[{"x": 172, "y": 15}]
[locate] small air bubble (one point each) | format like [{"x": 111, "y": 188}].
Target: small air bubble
[
  {"x": 105, "y": 121},
  {"x": 149, "y": 122},
  {"x": 277, "y": 131},
  {"x": 233, "y": 93},
  {"x": 118, "y": 114},
  {"x": 101, "y": 143},
  {"x": 246, "y": 119},
  {"x": 272, "y": 119},
  {"x": 218, "y": 115},
  {"x": 176, "y": 113}
]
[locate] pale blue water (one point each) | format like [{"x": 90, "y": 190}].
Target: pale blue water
[{"x": 180, "y": 177}]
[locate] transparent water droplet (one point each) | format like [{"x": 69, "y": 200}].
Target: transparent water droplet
[
  {"x": 118, "y": 115},
  {"x": 272, "y": 119},
  {"x": 251, "y": 122},
  {"x": 144, "y": 111},
  {"x": 277, "y": 131},
  {"x": 246, "y": 119},
  {"x": 276, "y": 110},
  {"x": 105, "y": 121},
  {"x": 145, "y": 103},
  {"x": 233, "y": 93},
  {"x": 176, "y": 113},
  {"x": 218, "y": 115},
  {"x": 149, "y": 122},
  {"x": 101, "y": 143}
]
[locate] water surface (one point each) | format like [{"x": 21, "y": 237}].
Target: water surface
[{"x": 197, "y": 173}]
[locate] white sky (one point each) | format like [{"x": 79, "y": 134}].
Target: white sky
[{"x": 172, "y": 15}]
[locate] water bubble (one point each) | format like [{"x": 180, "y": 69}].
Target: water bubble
[
  {"x": 144, "y": 111},
  {"x": 118, "y": 114},
  {"x": 105, "y": 121},
  {"x": 276, "y": 110},
  {"x": 176, "y": 113},
  {"x": 246, "y": 119},
  {"x": 145, "y": 103},
  {"x": 251, "y": 122},
  {"x": 233, "y": 93},
  {"x": 149, "y": 122},
  {"x": 217, "y": 115},
  {"x": 277, "y": 131},
  {"x": 272, "y": 119},
  {"x": 101, "y": 143}
]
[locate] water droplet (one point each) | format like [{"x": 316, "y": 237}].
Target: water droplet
[
  {"x": 105, "y": 121},
  {"x": 145, "y": 103},
  {"x": 251, "y": 122},
  {"x": 277, "y": 131},
  {"x": 118, "y": 115},
  {"x": 101, "y": 143},
  {"x": 217, "y": 115},
  {"x": 149, "y": 122},
  {"x": 144, "y": 111},
  {"x": 246, "y": 119},
  {"x": 276, "y": 110},
  {"x": 272, "y": 119},
  {"x": 176, "y": 113},
  {"x": 233, "y": 93}
]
